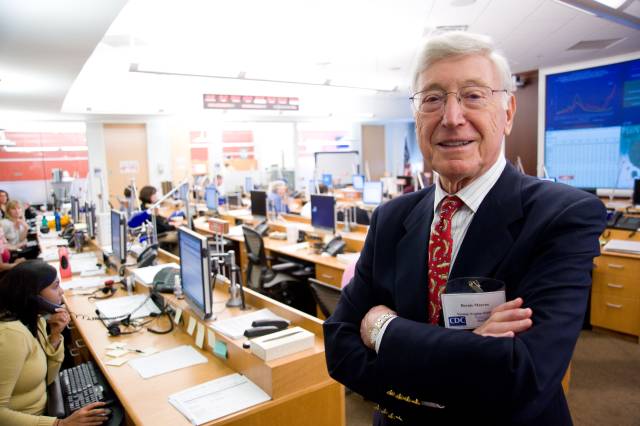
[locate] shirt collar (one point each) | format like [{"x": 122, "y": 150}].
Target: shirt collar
[{"x": 473, "y": 194}]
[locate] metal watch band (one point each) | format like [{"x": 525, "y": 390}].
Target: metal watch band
[{"x": 377, "y": 326}]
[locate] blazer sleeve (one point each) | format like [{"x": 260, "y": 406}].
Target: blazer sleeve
[{"x": 459, "y": 368}]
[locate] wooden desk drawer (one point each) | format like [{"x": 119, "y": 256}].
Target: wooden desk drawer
[
  {"x": 329, "y": 275},
  {"x": 615, "y": 313},
  {"x": 619, "y": 285},
  {"x": 618, "y": 265}
]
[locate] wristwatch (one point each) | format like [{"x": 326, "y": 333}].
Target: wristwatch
[{"x": 377, "y": 326}]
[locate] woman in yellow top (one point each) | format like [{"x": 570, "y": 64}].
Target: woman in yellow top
[{"x": 31, "y": 358}]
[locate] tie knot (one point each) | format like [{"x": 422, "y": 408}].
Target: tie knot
[{"x": 450, "y": 205}]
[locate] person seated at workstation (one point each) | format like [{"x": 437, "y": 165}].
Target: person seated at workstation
[
  {"x": 148, "y": 196},
  {"x": 5, "y": 255},
  {"x": 15, "y": 230},
  {"x": 31, "y": 356},
  {"x": 306, "y": 209},
  {"x": 4, "y": 199},
  {"x": 277, "y": 196},
  {"x": 220, "y": 185}
]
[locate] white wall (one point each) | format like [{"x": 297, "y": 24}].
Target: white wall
[
  {"x": 158, "y": 151},
  {"x": 97, "y": 166}
]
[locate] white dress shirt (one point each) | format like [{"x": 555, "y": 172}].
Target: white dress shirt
[{"x": 472, "y": 196}]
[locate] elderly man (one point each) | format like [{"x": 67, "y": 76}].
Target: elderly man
[{"x": 387, "y": 339}]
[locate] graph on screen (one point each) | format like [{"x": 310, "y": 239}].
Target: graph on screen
[{"x": 592, "y": 125}]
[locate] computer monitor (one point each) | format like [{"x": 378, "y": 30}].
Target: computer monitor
[
  {"x": 259, "y": 203},
  {"x": 636, "y": 192},
  {"x": 75, "y": 209},
  {"x": 234, "y": 201},
  {"x": 90, "y": 219},
  {"x": 372, "y": 193},
  {"x": 248, "y": 184},
  {"x": 211, "y": 197},
  {"x": 323, "y": 212},
  {"x": 327, "y": 179},
  {"x": 195, "y": 272},
  {"x": 119, "y": 236},
  {"x": 358, "y": 182}
]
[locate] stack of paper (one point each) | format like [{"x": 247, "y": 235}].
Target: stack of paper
[
  {"x": 138, "y": 306},
  {"x": 217, "y": 398},
  {"x": 622, "y": 246},
  {"x": 165, "y": 361},
  {"x": 234, "y": 327}
]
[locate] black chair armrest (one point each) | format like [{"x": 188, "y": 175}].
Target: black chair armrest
[{"x": 286, "y": 266}]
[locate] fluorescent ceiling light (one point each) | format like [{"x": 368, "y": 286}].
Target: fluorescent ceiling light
[
  {"x": 134, "y": 67},
  {"x": 614, "y": 4}
]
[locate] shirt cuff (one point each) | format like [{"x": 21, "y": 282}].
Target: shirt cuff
[{"x": 381, "y": 333}]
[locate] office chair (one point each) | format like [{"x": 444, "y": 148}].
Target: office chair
[
  {"x": 285, "y": 282},
  {"x": 362, "y": 216},
  {"x": 326, "y": 296}
]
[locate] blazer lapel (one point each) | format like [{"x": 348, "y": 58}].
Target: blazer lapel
[
  {"x": 411, "y": 261},
  {"x": 488, "y": 238}
]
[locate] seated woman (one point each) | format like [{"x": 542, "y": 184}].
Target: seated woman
[
  {"x": 167, "y": 239},
  {"x": 5, "y": 256},
  {"x": 30, "y": 357},
  {"x": 4, "y": 199},
  {"x": 277, "y": 197},
  {"x": 14, "y": 226}
]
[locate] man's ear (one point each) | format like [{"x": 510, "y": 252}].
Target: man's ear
[{"x": 511, "y": 112}]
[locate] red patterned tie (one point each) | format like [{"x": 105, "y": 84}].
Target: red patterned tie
[{"x": 440, "y": 248}]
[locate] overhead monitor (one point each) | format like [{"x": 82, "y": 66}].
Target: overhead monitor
[
  {"x": 323, "y": 212},
  {"x": 248, "y": 184},
  {"x": 211, "y": 197},
  {"x": 234, "y": 201},
  {"x": 119, "y": 236},
  {"x": 589, "y": 123},
  {"x": 372, "y": 193},
  {"x": 327, "y": 179},
  {"x": 358, "y": 182},
  {"x": 259, "y": 203},
  {"x": 195, "y": 272}
]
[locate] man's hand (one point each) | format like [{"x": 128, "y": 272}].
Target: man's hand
[
  {"x": 57, "y": 323},
  {"x": 369, "y": 320},
  {"x": 506, "y": 320}
]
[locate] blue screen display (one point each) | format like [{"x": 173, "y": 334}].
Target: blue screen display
[
  {"x": 358, "y": 182},
  {"x": 323, "y": 214},
  {"x": 191, "y": 268},
  {"x": 372, "y": 193},
  {"x": 327, "y": 179},
  {"x": 211, "y": 197},
  {"x": 592, "y": 126}
]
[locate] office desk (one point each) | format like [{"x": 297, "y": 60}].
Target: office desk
[
  {"x": 301, "y": 390},
  {"x": 328, "y": 268}
]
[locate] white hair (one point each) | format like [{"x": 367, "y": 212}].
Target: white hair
[
  {"x": 276, "y": 184},
  {"x": 459, "y": 43}
]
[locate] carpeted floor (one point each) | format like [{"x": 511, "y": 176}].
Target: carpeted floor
[{"x": 605, "y": 384}]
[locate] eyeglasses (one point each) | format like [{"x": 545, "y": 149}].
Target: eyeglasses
[{"x": 469, "y": 97}]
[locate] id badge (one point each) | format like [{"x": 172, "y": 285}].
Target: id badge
[{"x": 464, "y": 311}]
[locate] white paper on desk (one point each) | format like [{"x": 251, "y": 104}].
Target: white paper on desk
[
  {"x": 49, "y": 254},
  {"x": 218, "y": 398},
  {"x": 83, "y": 255},
  {"x": 166, "y": 361},
  {"x": 54, "y": 242},
  {"x": 234, "y": 327},
  {"x": 295, "y": 247},
  {"x": 236, "y": 231},
  {"x": 145, "y": 275},
  {"x": 622, "y": 246},
  {"x": 122, "y": 306},
  {"x": 86, "y": 282}
]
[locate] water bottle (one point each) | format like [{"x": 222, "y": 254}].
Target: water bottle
[
  {"x": 177, "y": 287},
  {"x": 56, "y": 216}
]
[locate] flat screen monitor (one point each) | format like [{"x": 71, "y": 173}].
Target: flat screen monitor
[
  {"x": 590, "y": 117},
  {"x": 327, "y": 179},
  {"x": 211, "y": 197},
  {"x": 358, "y": 182},
  {"x": 248, "y": 184},
  {"x": 259, "y": 203},
  {"x": 119, "y": 236},
  {"x": 195, "y": 272},
  {"x": 234, "y": 201},
  {"x": 75, "y": 209},
  {"x": 323, "y": 212},
  {"x": 372, "y": 193}
]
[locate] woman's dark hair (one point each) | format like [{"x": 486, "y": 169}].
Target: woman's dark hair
[
  {"x": 146, "y": 193},
  {"x": 127, "y": 191},
  {"x": 18, "y": 289},
  {"x": 5, "y": 193}
]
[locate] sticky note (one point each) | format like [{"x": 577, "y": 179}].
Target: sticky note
[
  {"x": 191, "y": 326},
  {"x": 220, "y": 349},
  {"x": 200, "y": 335},
  {"x": 211, "y": 337},
  {"x": 176, "y": 319},
  {"x": 115, "y": 353},
  {"x": 116, "y": 345},
  {"x": 117, "y": 362}
]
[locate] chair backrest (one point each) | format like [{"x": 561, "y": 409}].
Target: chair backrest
[
  {"x": 254, "y": 244},
  {"x": 326, "y": 295}
]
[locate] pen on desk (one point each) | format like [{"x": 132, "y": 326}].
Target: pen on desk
[{"x": 282, "y": 336}]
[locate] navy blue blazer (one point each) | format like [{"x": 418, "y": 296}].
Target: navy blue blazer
[{"x": 538, "y": 237}]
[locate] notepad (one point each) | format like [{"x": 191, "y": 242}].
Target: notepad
[
  {"x": 166, "y": 361},
  {"x": 234, "y": 327},
  {"x": 622, "y": 246},
  {"x": 217, "y": 398}
]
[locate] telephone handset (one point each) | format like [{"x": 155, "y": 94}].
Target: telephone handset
[
  {"x": 148, "y": 256},
  {"x": 613, "y": 217},
  {"x": 335, "y": 246},
  {"x": 44, "y": 305},
  {"x": 262, "y": 228},
  {"x": 67, "y": 232}
]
